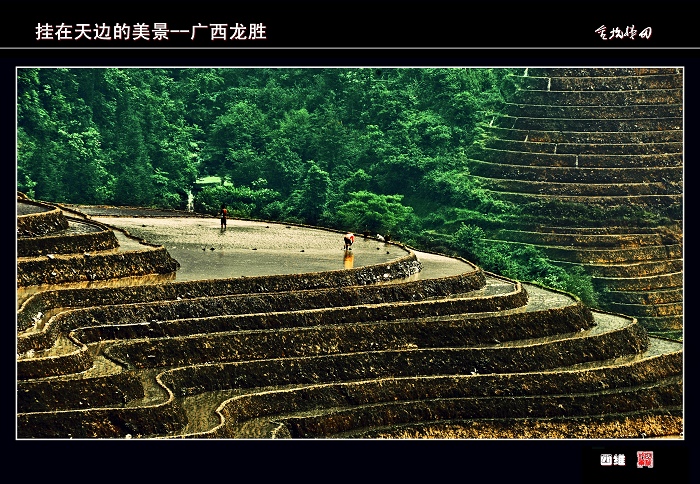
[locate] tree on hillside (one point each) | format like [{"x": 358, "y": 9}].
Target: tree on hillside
[
  {"x": 309, "y": 202},
  {"x": 236, "y": 143},
  {"x": 377, "y": 213}
]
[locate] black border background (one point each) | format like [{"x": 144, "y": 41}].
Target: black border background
[
  {"x": 362, "y": 34},
  {"x": 372, "y": 24}
]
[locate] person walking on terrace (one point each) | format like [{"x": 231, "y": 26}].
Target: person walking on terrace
[{"x": 224, "y": 215}]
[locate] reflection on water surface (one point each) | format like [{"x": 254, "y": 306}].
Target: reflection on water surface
[{"x": 348, "y": 259}]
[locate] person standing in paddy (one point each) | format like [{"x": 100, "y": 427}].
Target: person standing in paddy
[
  {"x": 224, "y": 215},
  {"x": 349, "y": 239}
]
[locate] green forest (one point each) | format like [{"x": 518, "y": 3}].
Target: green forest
[{"x": 377, "y": 150}]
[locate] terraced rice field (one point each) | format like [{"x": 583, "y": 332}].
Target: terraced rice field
[{"x": 399, "y": 344}]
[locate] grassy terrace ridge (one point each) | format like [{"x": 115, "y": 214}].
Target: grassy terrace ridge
[
  {"x": 569, "y": 189},
  {"x": 579, "y": 112},
  {"x": 575, "y": 174},
  {"x": 590, "y": 150},
  {"x": 630, "y": 151},
  {"x": 647, "y": 97},
  {"x": 662, "y": 200},
  {"x": 576, "y": 156},
  {"x": 581, "y": 136}
]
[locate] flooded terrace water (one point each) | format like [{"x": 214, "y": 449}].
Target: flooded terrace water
[
  {"x": 245, "y": 249},
  {"x": 254, "y": 248}
]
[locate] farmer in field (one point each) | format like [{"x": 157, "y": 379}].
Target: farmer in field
[
  {"x": 224, "y": 215},
  {"x": 349, "y": 239}
]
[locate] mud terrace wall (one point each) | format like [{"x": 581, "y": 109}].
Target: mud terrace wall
[
  {"x": 90, "y": 267},
  {"x": 41, "y": 223},
  {"x": 53, "y": 248},
  {"x": 403, "y": 267},
  {"x": 98, "y": 239}
]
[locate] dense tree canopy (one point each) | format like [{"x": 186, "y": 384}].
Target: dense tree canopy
[{"x": 144, "y": 136}]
